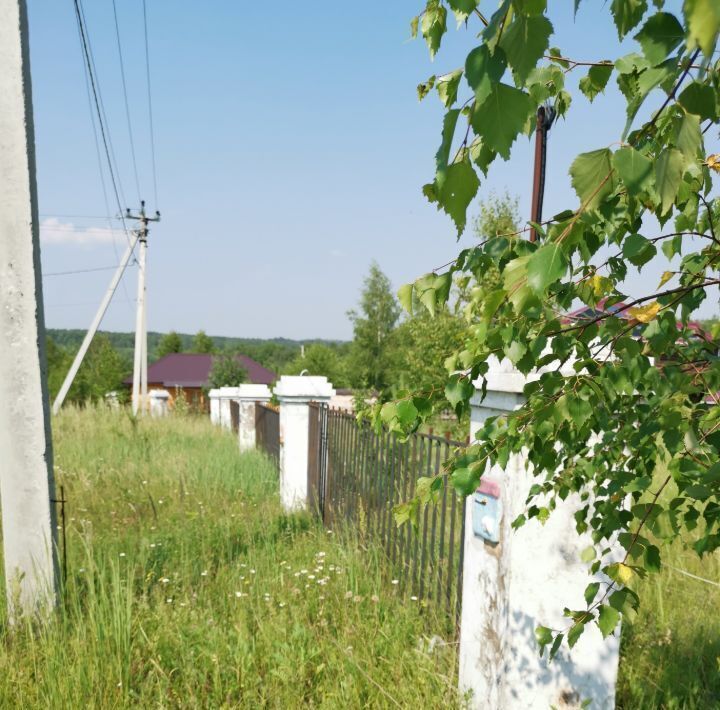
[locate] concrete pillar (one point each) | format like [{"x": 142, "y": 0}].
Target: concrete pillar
[
  {"x": 214, "y": 396},
  {"x": 26, "y": 466},
  {"x": 523, "y": 581},
  {"x": 159, "y": 403},
  {"x": 225, "y": 396},
  {"x": 294, "y": 395},
  {"x": 248, "y": 396}
]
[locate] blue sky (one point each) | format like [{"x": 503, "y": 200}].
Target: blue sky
[{"x": 291, "y": 151}]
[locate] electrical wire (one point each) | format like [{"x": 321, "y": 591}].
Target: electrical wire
[
  {"x": 86, "y": 271},
  {"x": 127, "y": 104},
  {"x": 93, "y": 84},
  {"x": 150, "y": 109}
]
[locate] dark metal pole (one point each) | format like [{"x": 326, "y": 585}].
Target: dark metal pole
[{"x": 545, "y": 118}]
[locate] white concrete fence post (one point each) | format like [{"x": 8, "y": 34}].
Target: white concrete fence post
[
  {"x": 214, "y": 397},
  {"x": 159, "y": 403},
  {"x": 295, "y": 394},
  {"x": 523, "y": 581},
  {"x": 227, "y": 395},
  {"x": 248, "y": 396},
  {"x": 26, "y": 460}
]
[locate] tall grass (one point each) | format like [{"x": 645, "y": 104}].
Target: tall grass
[{"x": 188, "y": 587}]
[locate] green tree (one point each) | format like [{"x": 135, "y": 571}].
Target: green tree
[
  {"x": 58, "y": 364},
  {"x": 603, "y": 420},
  {"x": 203, "y": 343},
  {"x": 101, "y": 372},
  {"x": 226, "y": 371},
  {"x": 420, "y": 345},
  {"x": 170, "y": 343},
  {"x": 372, "y": 325},
  {"x": 321, "y": 359}
]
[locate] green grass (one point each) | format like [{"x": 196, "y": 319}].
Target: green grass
[
  {"x": 188, "y": 587},
  {"x": 670, "y": 655}
]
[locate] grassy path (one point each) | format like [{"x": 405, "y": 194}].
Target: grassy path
[{"x": 187, "y": 587}]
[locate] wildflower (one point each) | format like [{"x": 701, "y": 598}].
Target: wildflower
[
  {"x": 396, "y": 581},
  {"x": 82, "y": 569},
  {"x": 282, "y": 604},
  {"x": 169, "y": 600},
  {"x": 348, "y": 595},
  {"x": 413, "y": 598},
  {"x": 323, "y": 581},
  {"x": 357, "y": 599},
  {"x": 238, "y": 594},
  {"x": 303, "y": 571},
  {"x": 320, "y": 554},
  {"x": 297, "y": 574},
  {"x": 311, "y": 576},
  {"x": 295, "y": 591},
  {"x": 122, "y": 554},
  {"x": 375, "y": 598},
  {"x": 165, "y": 580},
  {"x": 152, "y": 544},
  {"x": 242, "y": 564},
  {"x": 204, "y": 573},
  {"x": 160, "y": 501},
  {"x": 252, "y": 571}
]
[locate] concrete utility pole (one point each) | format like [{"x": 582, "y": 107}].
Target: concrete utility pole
[
  {"x": 26, "y": 465},
  {"x": 67, "y": 383},
  {"x": 139, "y": 393}
]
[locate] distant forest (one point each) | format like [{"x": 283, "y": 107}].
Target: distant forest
[{"x": 273, "y": 353}]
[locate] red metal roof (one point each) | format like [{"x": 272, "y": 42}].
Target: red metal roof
[{"x": 193, "y": 370}]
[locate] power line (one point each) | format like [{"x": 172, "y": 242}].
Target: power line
[
  {"x": 93, "y": 84},
  {"x": 150, "y": 110},
  {"x": 81, "y": 216},
  {"x": 127, "y": 105},
  {"x": 84, "y": 271}
]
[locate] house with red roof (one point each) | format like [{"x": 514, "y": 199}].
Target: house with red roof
[{"x": 186, "y": 375}]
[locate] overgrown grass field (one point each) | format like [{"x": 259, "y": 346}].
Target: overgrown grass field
[{"x": 188, "y": 587}]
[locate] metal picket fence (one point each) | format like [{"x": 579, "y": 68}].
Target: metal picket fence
[
  {"x": 356, "y": 477},
  {"x": 267, "y": 430}
]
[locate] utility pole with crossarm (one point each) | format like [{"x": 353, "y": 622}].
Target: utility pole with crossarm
[{"x": 139, "y": 393}]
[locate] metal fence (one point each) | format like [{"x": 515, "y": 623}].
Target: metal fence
[
  {"x": 267, "y": 430},
  {"x": 357, "y": 476}
]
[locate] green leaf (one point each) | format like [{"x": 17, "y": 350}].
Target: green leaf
[
  {"x": 596, "y": 80},
  {"x": 669, "y": 168},
  {"x": 463, "y": 8},
  {"x": 543, "y": 636},
  {"x": 638, "y": 250},
  {"x": 457, "y": 191},
  {"x": 620, "y": 573},
  {"x": 659, "y": 36},
  {"x": 608, "y": 619},
  {"x": 703, "y": 20},
  {"x": 576, "y": 631},
  {"x": 588, "y": 554},
  {"x": 634, "y": 169},
  {"x": 483, "y": 70},
  {"x": 464, "y": 481},
  {"x": 442, "y": 157},
  {"x": 501, "y": 117},
  {"x": 515, "y": 351},
  {"x": 591, "y": 592},
  {"x": 405, "y": 296},
  {"x": 406, "y": 412},
  {"x": 687, "y": 135},
  {"x": 516, "y": 286},
  {"x": 458, "y": 389},
  {"x": 414, "y": 23},
  {"x": 525, "y": 41},
  {"x": 433, "y": 25},
  {"x": 627, "y": 14},
  {"x": 545, "y": 266},
  {"x": 447, "y": 87},
  {"x": 699, "y": 99},
  {"x": 651, "y": 558},
  {"x": 593, "y": 177}
]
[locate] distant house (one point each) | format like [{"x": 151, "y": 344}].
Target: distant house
[{"x": 188, "y": 373}]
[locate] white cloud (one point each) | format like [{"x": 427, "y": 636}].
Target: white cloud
[{"x": 53, "y": 231}]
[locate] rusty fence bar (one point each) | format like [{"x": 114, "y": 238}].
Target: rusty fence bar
[
  {"x": 358, "y": 476},
  {"x": 267, "y": 430}
]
